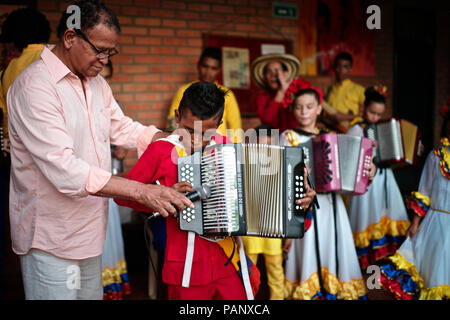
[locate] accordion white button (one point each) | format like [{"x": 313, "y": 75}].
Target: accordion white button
[
  {"x": 193, "y": 217},
  {"x": 188, "y": 219},
  {"x": 184, "y": 217}
]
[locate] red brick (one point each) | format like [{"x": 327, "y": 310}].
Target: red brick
[
  {"x": 134, "y": 11},
  {"x": 138, "y": 107},
  {"x": 162, "y": 50},
  {"x": 148, "y": 40},
  {"x": 175, "y": 41},
  {"x": 173, "y": 5},
  {"x": 199, "y": 7},
  {"x": 200, "y": 25},
  {"x": 147, "y": 59},
  {"x": 128, "y": 49},
  {"x": 134, "y": 30},
  {"x": 174, "y": 23},
  {"x": 161, "y": 87},
  {"x": 124, "y": 97},
  {"x": 161, "y": 69},
  {"x": 245, "y": 27},
  {"x": 162, "y": 13},
  {"x": 173, "y": 60},
  {"x": 162, "y": 32},
  {"x": 222, "y": 9},
  {"x": 147, "y": 78},
  {"x": 189, "y": 33},
  {"x": 173, "y": 78},
  {"x": 136, "y": 87},
  {"x": 150, "y": 22},
  {"x": 148, "y": 96},
  {"x": 133, "y": 69}
]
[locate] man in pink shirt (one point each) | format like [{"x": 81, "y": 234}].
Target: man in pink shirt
[{"x": 63, "y": 118}]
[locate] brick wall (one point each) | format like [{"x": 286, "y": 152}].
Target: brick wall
[{"x": 161, "y": 41}]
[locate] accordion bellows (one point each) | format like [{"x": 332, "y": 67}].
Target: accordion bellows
[
  {"x": 398, "y": 142},
  {"x": 341, "y": 163},
  {"x": 253, "y": 190}
]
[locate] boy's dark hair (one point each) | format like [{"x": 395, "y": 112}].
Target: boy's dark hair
[
  {"x": 92, "y": 13},
  {"x": 343, "y": 56},
  {"x": 372, "y": 95},
  {"x": 25, "y": 26},
  {"x": 266, "y": 128},
  {"x": 211, "y": 52},
  {"x": 310, "y": 91},
  {"x": 204, "y": 99}
]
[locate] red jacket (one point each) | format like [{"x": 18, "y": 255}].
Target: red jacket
[{"x": 159, "y": 162}]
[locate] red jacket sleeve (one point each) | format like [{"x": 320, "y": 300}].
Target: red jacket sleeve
[
  {"x": 148, "y": 169},
  {"x": 268, "y": 109}
]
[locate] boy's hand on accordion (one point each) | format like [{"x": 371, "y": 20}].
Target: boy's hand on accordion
[
  {"x": 183, "y": 187},
  {"x": 287, "y": 245},
  {"x": 309, "y": 195},
  {"x": 373, "y": 170}
]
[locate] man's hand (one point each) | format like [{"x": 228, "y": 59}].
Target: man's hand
[{"x": 163, "y": 199}]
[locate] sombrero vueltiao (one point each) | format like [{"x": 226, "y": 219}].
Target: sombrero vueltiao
[{"x": 290, "y": 61}]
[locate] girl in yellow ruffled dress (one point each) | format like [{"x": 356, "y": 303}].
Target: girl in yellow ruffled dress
[
  {"x": 420, "y": 269},
  {"x": 340, "y": 276},
  {"x": 378, "y": 217}
]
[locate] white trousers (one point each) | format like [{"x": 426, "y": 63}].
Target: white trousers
[{"x": 47, "y": 277}]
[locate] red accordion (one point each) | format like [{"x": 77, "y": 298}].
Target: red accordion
[{"x": 341, "y": 163}]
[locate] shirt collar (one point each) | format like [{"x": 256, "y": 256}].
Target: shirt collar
[{"x": 56, "y": 67}]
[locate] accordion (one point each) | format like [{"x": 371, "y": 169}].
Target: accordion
[
  {"x": 398, "y": 142},
  {"x": 253, "y": 191},
  {"x": 339, "y": 162}
]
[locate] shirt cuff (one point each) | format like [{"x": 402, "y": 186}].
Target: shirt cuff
[
  {"x": 97, "y": 179},
  {"x": 145, "y": 138}
]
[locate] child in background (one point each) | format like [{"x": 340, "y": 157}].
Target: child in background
[
  {"x": 195, "y": 267},
  {"x": 378, "y": 218},
  {"x": 271, "y": 248},
  {"x": 317, "y": 267},
  {"x": 420, "y": 269},
  {"x": 344, "y": 96}
]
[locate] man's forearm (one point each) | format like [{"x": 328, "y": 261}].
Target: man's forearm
[{"x": 122, "y": 188}]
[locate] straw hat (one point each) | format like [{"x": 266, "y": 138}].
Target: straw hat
[{"x": 290, "y": 61}]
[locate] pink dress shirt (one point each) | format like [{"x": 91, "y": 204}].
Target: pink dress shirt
[{"x": 60, "y": 156}]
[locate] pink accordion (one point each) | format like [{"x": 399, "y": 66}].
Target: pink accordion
[{"x": 341, "y": 163}]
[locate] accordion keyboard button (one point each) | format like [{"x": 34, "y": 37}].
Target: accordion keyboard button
[{"x": 193, "y": 217}]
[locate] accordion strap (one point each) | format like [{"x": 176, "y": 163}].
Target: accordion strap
[
  {"x": 245, "y": 273},
  {"x": 319, "y": 264},
  {"x": 333, "y": 195},
  {"x": 188, "y": 260}
]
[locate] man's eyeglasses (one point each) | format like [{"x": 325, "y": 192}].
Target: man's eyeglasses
[{"x": 101, "y": 54}]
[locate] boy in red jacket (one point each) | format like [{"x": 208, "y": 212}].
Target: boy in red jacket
[{"x": 212, "y": 276}]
